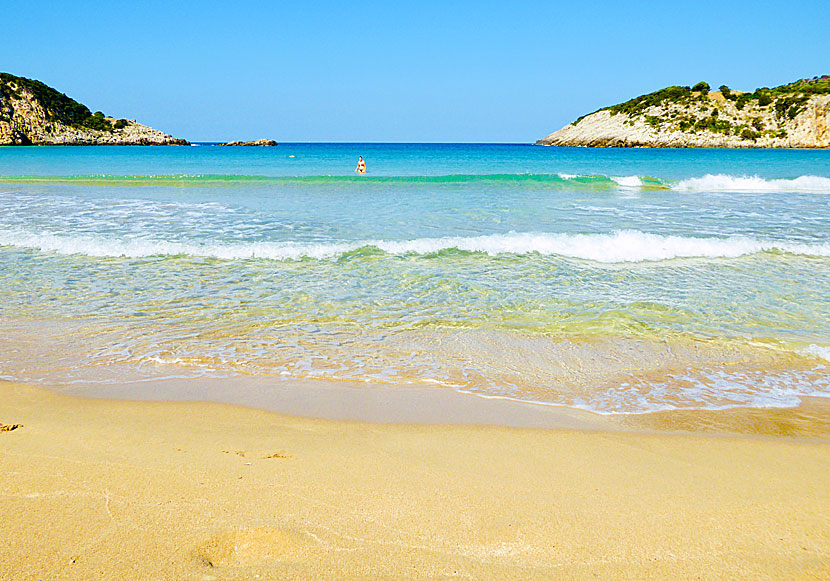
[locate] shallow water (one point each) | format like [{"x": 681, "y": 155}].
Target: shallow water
[{"x": 611, "y": 280}]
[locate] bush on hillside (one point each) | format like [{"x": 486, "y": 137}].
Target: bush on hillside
[
  {"x": 741, "y": 101},
  {"x": 790, "y": 106},
  {"x": 712, "y": 124},
  {"x": 97, "y": 122}
]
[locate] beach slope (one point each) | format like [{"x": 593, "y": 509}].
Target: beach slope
[{"x": 118, "y": 489}]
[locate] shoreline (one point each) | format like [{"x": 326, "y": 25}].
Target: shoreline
[
  {"x": 199, "y": 490},
  {"x": 429, "y": 405},
  {"x": 352, "y": 401}
]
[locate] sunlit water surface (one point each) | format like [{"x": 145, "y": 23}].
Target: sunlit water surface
[{"x": 611, "y": 280}]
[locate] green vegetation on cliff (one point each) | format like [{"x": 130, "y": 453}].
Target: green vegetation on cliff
[
  {"x": 638, "y": 105},
  {"x": 686, "y": 108},
  {"x": 58, "y": 107},
  {"x": 814, "y": 86}
]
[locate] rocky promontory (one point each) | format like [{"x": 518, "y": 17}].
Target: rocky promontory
[
  {"x": 257, "y": 143},
  {"x": 795, "y": 115},
  {"x": 32, "y": 113}
]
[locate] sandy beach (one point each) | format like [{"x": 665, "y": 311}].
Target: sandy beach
[
  {"x": 404, "y": 340},
  {"x": 119, "y": 489}
]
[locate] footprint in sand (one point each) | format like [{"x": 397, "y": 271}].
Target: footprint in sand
[{"x": 244, "y": 547}]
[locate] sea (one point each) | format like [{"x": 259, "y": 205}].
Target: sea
[{"x": 617, "y": 281}]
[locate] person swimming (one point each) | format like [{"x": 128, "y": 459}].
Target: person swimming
[{"x": 361, "y": 165}]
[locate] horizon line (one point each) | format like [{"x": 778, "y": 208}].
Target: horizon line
[{"x": 214, "y": 142}]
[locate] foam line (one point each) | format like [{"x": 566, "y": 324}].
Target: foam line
[
  {"x": 727, "y": 183},
  {"x": 617, "y": 247}
]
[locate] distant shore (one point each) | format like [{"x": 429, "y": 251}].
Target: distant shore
[{"x": 205, "y": 491}]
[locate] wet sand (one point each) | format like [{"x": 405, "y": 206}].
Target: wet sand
[
  {"x": 116, "y": 489},
  {"x": 353, "y": 401}
]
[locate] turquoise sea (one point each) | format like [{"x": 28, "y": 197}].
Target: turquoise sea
[{"x": 613, "y": 280}]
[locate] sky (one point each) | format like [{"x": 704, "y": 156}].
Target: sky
[{"x": 399, "y": 71}]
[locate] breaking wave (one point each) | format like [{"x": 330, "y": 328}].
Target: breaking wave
[
  {"x": 727, "y": 183},
  {"x": 706, "y": 183},
  {"x": 617, "y": 247}
]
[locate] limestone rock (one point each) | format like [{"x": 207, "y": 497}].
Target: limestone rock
[{"x": 32, "y": 113}]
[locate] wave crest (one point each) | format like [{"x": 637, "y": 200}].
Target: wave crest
[
  {"x": 727, "y": 183},
  {"x": 706, "y": 183},
  {"x": 617, "y": 247}
]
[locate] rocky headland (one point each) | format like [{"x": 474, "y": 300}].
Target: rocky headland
[
  {"x": 32, "y": 113},
  {"x": 795, "y": 115},
  {"x": 257, "y": 143}
]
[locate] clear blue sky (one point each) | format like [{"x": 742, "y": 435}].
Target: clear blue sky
[{"x": 420, "y": 71}]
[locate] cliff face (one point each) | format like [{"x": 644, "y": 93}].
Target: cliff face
[
  {"x": 32, "y": 113},
  {"x": 795, "y": 115}
]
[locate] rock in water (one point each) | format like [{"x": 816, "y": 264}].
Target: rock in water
[
  {"x": 32, "y": 113},
  {"x": 792, "y": 115},
  {"x": 257, "y": 143}
]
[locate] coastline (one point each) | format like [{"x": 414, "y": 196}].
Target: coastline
[
  {"x": 353, "y": 401},
  {"x": 198, "y": 490},
  {"x": 425, "y": 404}
]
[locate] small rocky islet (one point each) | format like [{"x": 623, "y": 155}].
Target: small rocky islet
[{"x": 256, "y": 143}]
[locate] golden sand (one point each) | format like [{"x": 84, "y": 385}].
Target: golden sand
[{"x": 95, "y": 489}]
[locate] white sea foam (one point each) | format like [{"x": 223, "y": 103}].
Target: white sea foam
[
  {"x": 819, "y": 351},
  {"x": 628, "y": 181},
  {"x": 621, "y": 246},
  {"x": 727, "y": 183},
  {"x": 100, "y": 246},
  {"x": 703, "y": 389},
  {"x": 165, "y": 361}
]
